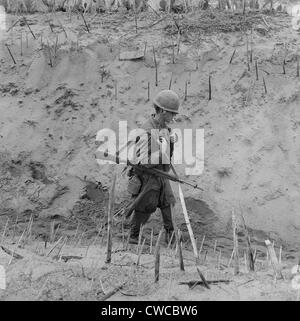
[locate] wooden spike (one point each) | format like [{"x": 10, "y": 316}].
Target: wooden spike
[
  {"x": 4, "y": 230},
  {"x": 185, "y": 91},
  {"x": 202, "y": 278},
  {"x": 140, "y": 238},
  {"x": 10, "y": 53},
  {"x": 151, "y": 241},
  {"x": 219, "y": 259},
  {"x": 157, "y": 256},
  {"x": 135, "y": 18},
  {"x": 179, "y": 247},
  {"x": 201, "y": 246},
  {"x": 33, "y": 35},
  {"x": 247, "y": 49},
  {"x": 54, "y": 246},
  {"x": 235, "y": 244},
  {"x": 116, "y": 89},
  {"x": 209, "y": 87},
  {"x": 155, "y": 63},
  {"x": 232, "y": 56},
  {"x": 148, "y": 91},
  {"x": 173, "y": 54},
  {"x": 170, "y": 83},
  {"x": 140, "y": 252},
  {"x": 109, "y": 219},
  {"x": 21, "y": 44},
  {"x": 283, "y": 67},
  {"x": 265, "y": 87},
  {"x": 248, "y": 242},
  {"x": 273, "y": 259},
  {"x": 256, "y": 69},
  {"x": 86, "y": 25},
  {"x": 298, "y": 66},
  {"x": 145, "y": 49},
  {"x": 171, "y": 239},
  {"x": 50, "y": 56},
  {"x": 280, "y": 255},
  {"x": 215, "y": 246}
]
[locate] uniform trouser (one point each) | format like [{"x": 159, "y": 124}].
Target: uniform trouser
[{"x": 145, "y": 208}]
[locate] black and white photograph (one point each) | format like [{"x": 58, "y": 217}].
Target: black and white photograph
[{"x": 149, "y": 152}]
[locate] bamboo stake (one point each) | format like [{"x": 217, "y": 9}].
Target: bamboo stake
[
  {"x": 202, "y": 278},
  {"x": 127, "y": 241},
  {"x": 209, "y": 87},
  {"x": 55, "y": 48},
  {"x": 245, "y": 261},
  {"x": 51, "y": 27},
  {"x": 151, "y": 241},
  {"x": 77, "y": 228},
  {"x": 140, "y": 252},
  {"x": 155, "y": 62},
  {"x": 187, "y": 219},
  {"x": 4, "y": 231},
  {"x": 235, "y": 245},
  {"x": 109, "y": 219},
  {"x": 145, "y": 48},
  {"x": 29, "y": 28},
  {"x": 54, "y": 246},
  {"x": 265, "y": 87},
  {"x": 56, "y": 232},
  {"x": 179, "y": 247},
  {"x": 148, "y": 91},
  {"x": 170, "y": 83},
  {"x": 231, "y": 257},
  {"x": 185, "y": 91},
  {"x": 247, "y": 49},
  {"x": 171, "y": 239},
  {"x": 256, "y": 69},
  {"x": 178, "y": 42},
  {"x": 86, "y": 25},
  {"x": 10, "y": 53},
  {"x": 219, "y": 259},
  {"x": 16, "y": 247},
  {"x": 298, "y": 66},
  {"x": 249, "y": 249},
  {"x": 15, "y": 226},
  {"x": 123, "y": 233},
  {"x": 280, "y": 254},
  {"x": 201, "y": 246},
  {"x": 135, "y": 18},
  {"x": 50, "y": 57},
  {"x": 173, "y": 54},
  {"x": 116, "y": 89},
  {"x": 21, "y": 42},
  {"x": 251, "y": 46},
  {"x": 157, "y": 256},
  {"x": 232, "y": 56},
  {"x": 215, "y": 246},
  {"x": 283, "y": 66},
  {"x": 273, "y": 259},
  {"x": 140, "y": 238}
]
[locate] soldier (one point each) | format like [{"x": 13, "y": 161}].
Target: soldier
[{"x": 155, "y": 146}]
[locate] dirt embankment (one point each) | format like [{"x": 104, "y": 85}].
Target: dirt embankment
[{"x": 63, "y": 90}]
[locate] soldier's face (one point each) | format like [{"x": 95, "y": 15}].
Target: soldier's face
[{"x": 168, "y": 116}]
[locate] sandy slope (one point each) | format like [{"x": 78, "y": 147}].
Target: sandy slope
[{"x": 50, "y": 117}]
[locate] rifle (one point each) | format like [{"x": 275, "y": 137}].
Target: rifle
[{"x": 154, "y": 171}]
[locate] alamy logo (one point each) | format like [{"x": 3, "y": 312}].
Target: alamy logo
[{"x": 141, "y": 147}]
